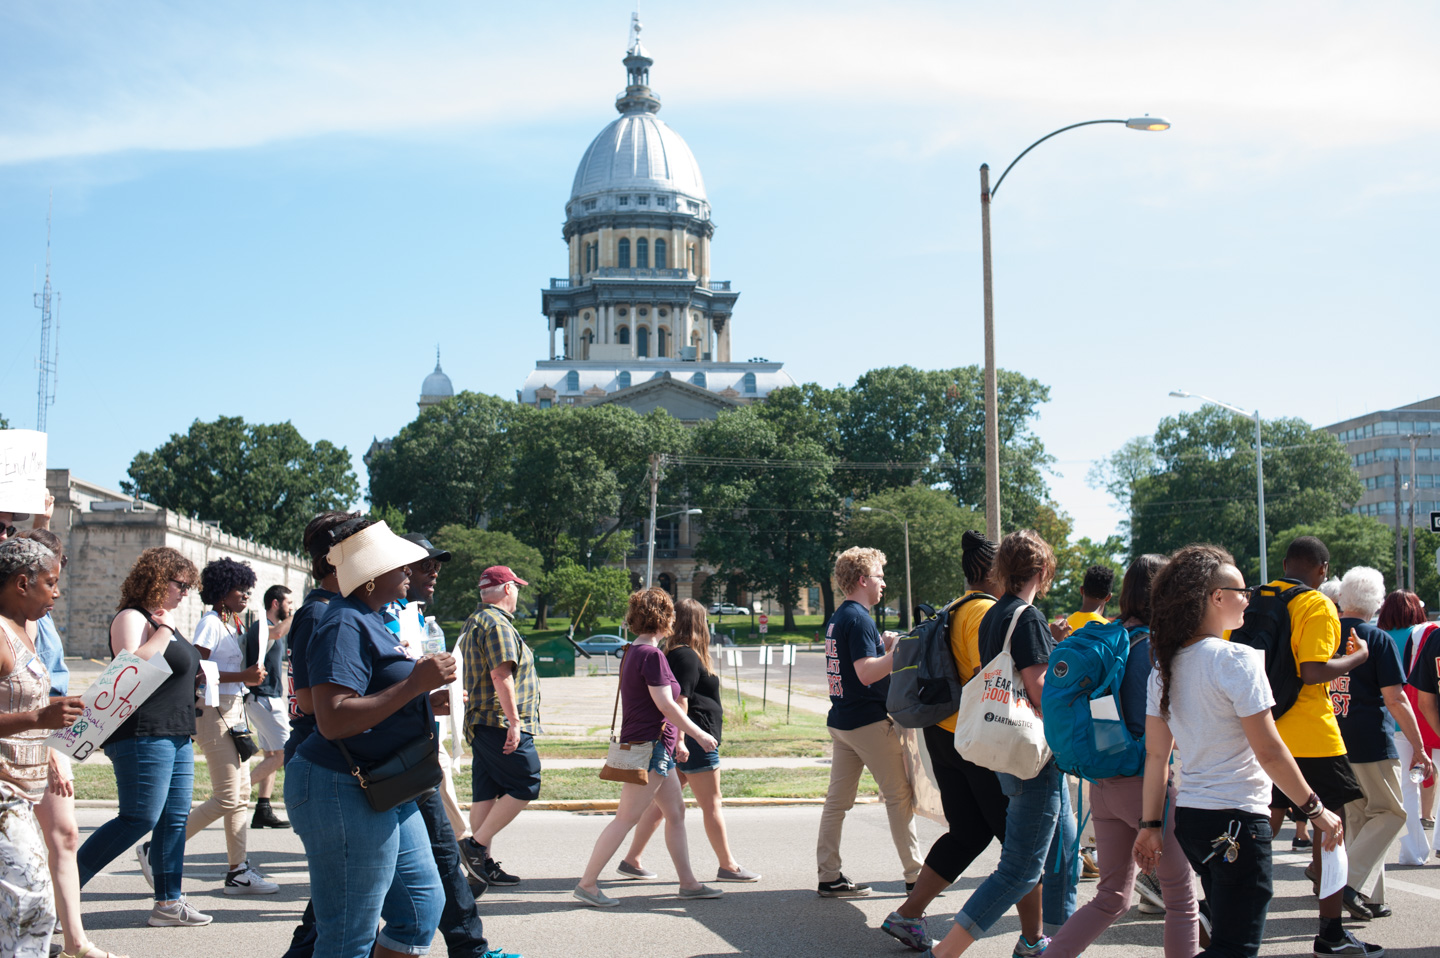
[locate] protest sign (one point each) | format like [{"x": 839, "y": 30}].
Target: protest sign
[
  {"x": 124, "y": 685},
  {"x": 22, "y": 470}
]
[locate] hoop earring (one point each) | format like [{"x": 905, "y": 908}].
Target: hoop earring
[{"x": 370, "y": 587}]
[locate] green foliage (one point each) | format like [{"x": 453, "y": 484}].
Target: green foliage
[
  {"x": 472, "y": 551},
  {"x": 1427, "y": 577},
  {"x": 4, "y": 423},
  {"x": 1072, "y": 559},
  {"x": 1353, "y": 540},
  {"x": 601, "y": 592},
  {"x": 391, "y": 516},
  {"x": 1202, "y": 487},
  {"x": 936, "y": 526},
  {"x": 451, "y": 465},
  {"x": 262, "y": 482}
]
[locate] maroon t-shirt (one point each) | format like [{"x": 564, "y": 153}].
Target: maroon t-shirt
[{"x": 640, "y": 721}]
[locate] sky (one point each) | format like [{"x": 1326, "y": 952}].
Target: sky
[{"x": 278, "y": 210}]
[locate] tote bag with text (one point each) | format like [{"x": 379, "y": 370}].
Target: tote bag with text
[{"x": 997, "y": 727}]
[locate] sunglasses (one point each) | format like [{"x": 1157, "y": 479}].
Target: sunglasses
[
  {"x": 183, "y": 587},
  {"x": 10, "y": 532},
  {"x": 1246, "y": 591}
]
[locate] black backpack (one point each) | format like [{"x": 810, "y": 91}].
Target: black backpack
[
  {"x": 925, "y": 682},
  {"x": 1267, "y": 628}
]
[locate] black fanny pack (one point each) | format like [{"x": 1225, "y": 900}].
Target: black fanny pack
[{"x": 412, "y": 772}]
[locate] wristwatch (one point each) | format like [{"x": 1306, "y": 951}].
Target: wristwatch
[{"x": 1156, "y": 823}]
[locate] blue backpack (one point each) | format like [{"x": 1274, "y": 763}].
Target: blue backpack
[{"x": 1090, "y": 664}]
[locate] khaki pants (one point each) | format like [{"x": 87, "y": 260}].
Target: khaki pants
[
  {"x": 878, "y": 748},
  {"x": 229, "y": 777},
  {"x": 459, "y": 821},
  {"x": 1372, "y": 824}
]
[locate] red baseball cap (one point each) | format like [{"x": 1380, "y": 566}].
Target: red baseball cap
[{"x": 499, "y": 575}]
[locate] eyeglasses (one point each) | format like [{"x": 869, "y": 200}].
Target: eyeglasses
[
  {"x": 1245, "y": 591},
  {"x": 10, "y": 532},
  {"x": 183, "y": 587}
]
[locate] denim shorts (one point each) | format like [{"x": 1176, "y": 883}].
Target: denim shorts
[
  {"x": 700, "y": 761},
  {"x": 662, "y": 758}
]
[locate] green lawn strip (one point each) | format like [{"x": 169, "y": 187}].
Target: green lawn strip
[{"x": 98, "y": 782}]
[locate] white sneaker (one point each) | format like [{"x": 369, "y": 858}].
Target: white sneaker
[
  {"x": 180, "y": 914},
  {"x": 245, "y": 880},
  {"x": 142, "y": 852}
]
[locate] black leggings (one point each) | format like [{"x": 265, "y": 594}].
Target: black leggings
[{"x": 974, "y": 806}]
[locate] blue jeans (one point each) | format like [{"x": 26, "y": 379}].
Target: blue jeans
[
  {"x": 1030, "y": 826},
  {"x": 153, "y": 780},
  {"x": 364, "y": 865},
  {"x": 1062, "y": 867}
]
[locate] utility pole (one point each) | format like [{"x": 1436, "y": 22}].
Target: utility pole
[
  {"x": 1399, "y": 544},
  {"x": 1413, "y": 440},
  {"x": 654, "y": 494}
]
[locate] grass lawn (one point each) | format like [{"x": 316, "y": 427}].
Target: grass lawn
[{"x": 98, "y": 782}]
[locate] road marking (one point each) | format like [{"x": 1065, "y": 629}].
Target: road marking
[{"x": 1411, "y": 887}]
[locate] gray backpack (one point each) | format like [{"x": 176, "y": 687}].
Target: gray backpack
[{"x": 925, "y": 683}]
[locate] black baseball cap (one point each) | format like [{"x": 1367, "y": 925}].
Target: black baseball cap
[{"x": 439, "y": 555}]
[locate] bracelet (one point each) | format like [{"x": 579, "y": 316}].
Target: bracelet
[
  {"x": 1319, "y": 810},
  {"x": 1155, "y": 823},
  {"x": 1309, "y": 809}
]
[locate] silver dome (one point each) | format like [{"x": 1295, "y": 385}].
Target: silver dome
[
  {"x": 437, "y": 385},
  {"x": 638, "y": 152}
]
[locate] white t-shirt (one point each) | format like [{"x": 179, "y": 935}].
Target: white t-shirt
[
  {"x": 225, "y": 650},
  {"x": 1213, "y": 685}
]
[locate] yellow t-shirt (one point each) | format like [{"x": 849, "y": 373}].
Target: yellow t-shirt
[
  {"x": 965, "y": 642},
  {"x": 1079, "y": 620},
  {"x": 1308, "y": 728}
]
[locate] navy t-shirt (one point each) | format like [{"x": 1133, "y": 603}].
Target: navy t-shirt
[
  {"x": 1136, "y": 682},
  {"x": 307, "y": 617},
  {"x": 353, "y": 648},
  {"x": 852, "y": 635},
  {"x": 1359, "y": 706}
]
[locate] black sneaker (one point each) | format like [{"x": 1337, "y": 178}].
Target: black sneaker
[
  {"x": 842, "y": 887},
  {"x": 472, "y": 858},
  {"x": 496, "y": 875},
  {"x": 1350, "y": 946}
]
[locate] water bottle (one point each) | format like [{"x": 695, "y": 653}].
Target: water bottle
[
  {"x": 434, "y": 637},
  {"x": 1417, "y": 774}
]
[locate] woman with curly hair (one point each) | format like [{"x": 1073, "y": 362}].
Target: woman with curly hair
[
  {"x": 225, "y": 586},
  {"x": 150, "y": 752},
  {"x": 29, "y": 585},
  {"x": 688, "y": 652},
  {"x": 650, "y": 712},
  {"x": 1210, "y": 699}
]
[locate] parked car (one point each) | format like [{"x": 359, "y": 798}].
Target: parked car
[
  {"x": 725, "y": 608},
  {"x": 604, "y": 645}
]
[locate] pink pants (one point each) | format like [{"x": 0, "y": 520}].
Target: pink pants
[{"x": 1115, "y": 809}]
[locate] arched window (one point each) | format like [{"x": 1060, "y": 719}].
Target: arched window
[
  {"x": 660, "y": 337},
  {"x": 624, "y": 254},
  {"x": 748, "y": 383},
  {"x": 622, "y": 335},
  {"x": 572, "y": 381},
  {"x": 642, "y": 253},
  {"x": 698, "y": 379},
  {"x": 642, "y": 340},
  {"x": 624, "y": 379},
  {"x": 660, "y": 254}
]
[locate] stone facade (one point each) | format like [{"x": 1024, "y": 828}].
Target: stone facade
[{"x": 104, "y": 532}]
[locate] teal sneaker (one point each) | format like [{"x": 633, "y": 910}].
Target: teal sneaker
[
  {"x": 1023, "y": 948},
  {"x": 500, "y": 953}
]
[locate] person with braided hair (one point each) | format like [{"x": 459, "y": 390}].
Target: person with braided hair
[
  {"x": 29, "y": 586},
  {"x": 1210, "y": 699}
]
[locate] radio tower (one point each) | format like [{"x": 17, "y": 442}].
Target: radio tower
[{"x": 49, "y": 360}]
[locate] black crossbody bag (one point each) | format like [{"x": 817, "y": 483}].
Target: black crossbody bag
[{"x": 411, "y": 773}]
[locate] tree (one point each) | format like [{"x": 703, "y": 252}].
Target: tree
[
  {"x": 767, "y": 529},
  {"x": 896, "y": 414},
  {"x": 261, "y": 482},
  {"x": 1121, "y": 471},
  {"x": 472, "y": 551},
  {"x": 4, "y": 423},
  {"x": 601, "y": 592},
  {"x": 1203, "y": 489},
  {"x": 1353, "y": 540},
  {"x": 451, "y": 464},
  {"x": 936, "y": 527}
]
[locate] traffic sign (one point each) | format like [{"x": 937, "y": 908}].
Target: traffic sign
[
  {"x": 1435, "y": 522},
  {"x": 764, "y": 623}
]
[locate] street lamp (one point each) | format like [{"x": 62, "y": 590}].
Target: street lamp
[
  {"x": 992, "y": 403},
  {"x": 650, "y": 558},
  {"x": 905, "y": 622},
  {"x": 1259, "y": 468}
]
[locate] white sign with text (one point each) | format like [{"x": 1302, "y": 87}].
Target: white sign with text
[
  {"x": 124, "y": 685},
  {"x": 22, "y": 470}
]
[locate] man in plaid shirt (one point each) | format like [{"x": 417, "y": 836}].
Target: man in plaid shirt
[{"x": 501, "y": 718}]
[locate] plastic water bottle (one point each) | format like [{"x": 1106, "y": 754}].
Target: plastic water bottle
[
  {"x": 1417, "y": 774},
  {"x": 434, "y": 637}
]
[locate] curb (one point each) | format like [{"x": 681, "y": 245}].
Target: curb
[{"x": 577, "y": 804}]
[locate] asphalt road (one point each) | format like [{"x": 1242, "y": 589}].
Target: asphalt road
[{"x": 778, "y": 916}]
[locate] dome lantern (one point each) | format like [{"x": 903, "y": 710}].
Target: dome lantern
[{"x": 638, "y": 97}]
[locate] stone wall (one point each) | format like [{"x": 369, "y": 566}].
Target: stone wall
[{"x": 103, "y": 542}]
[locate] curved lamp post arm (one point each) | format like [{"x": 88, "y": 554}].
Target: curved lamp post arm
[{"x": 996, "y": 188}]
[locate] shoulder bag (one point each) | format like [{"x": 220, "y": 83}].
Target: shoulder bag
[
  {"x": 997, "y": 727},
  {"x": 412, "y": 772},
  {"x": 627, "y": 762}
]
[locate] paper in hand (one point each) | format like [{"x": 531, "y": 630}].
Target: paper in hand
[
  {"x": 1334, "y": 867},
  {"x": 212, "y": 683}
]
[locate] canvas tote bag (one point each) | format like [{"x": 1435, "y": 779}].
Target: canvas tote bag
[{"x": 997, "y": 727}]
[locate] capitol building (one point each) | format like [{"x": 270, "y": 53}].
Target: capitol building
[{"x": 638, "y": 320}]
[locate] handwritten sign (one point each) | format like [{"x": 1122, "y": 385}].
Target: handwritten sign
[
  {"x": 124, "y": 685},
  {"x": 22, "y": 470}
]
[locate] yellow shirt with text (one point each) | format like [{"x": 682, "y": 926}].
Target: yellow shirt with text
[
  {"x": 1079, "y": 620},
  {"x": 1309, "y": 728},
  {"x": 965, "y": 641}
]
